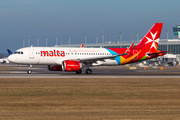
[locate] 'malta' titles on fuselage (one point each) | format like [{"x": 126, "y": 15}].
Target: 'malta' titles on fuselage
[{"x": 75, "y": 52}]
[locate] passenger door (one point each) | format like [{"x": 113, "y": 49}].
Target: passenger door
[{"x": 31, "y": 53}]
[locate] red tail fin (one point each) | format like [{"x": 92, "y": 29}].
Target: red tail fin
[{"x": 151, "y": 39}]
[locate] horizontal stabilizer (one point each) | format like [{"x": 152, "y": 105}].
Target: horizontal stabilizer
[
  {"x": 156, "y": 53},
  {"x": 129, "y": 49}
]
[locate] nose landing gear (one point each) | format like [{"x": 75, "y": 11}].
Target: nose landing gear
[{"x": 29, "y": 71}]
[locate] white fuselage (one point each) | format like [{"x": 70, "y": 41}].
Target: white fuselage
[{"x": 55, "y": 55}]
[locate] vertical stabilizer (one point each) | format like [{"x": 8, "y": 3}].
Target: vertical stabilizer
[
  {"x": 9, "y": 52},
  {"x": 151, "y": 39}
]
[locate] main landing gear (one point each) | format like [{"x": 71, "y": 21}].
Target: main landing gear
[
  {"x": 79, "y": 72},
  {"x": 29, "y": 71},
  {"x": 88, "y": 71}
]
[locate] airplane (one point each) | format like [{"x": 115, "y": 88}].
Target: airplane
[
  {"x": 5, "y": 59},
  {"x": 74, "y": 59}
]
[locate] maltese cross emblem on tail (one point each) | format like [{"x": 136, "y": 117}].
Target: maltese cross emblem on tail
[{"x": 154, "y": 42}]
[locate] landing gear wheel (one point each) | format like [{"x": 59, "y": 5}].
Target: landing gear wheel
[
  {"x": 29, "y": 71},
  {"x": 88, "y": 71},
  {"x": 79, "y": 72}
]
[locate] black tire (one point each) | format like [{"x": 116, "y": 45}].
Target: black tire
[
  {"x": 29, "y": 71},
  {"x": 79, "y": 72},
  {"x": 88, "y": 71}
]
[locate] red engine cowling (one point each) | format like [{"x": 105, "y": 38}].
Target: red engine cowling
[
  {"x": 71, "y": 65},
  {"x": 55, "y": 67}
]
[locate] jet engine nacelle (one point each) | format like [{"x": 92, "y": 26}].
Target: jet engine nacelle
[
  {"x": 55, "y": 67},
  {"x": 71, "y": 65}
]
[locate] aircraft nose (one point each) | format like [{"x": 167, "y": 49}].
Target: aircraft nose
[{"x": 11, "y": 58}]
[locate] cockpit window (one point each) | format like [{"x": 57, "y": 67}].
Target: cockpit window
[{"x": 18, "y": 52}]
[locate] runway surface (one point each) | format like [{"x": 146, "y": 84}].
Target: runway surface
[
  {"x": 20, "y": 71},
  {"x": 101, "y": 95}
]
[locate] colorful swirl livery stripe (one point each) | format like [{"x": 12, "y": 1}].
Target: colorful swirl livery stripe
[
  {"x": 123, "y": 60},
  {"x": 129, "y": 59},
  {"x": 114, "y": 53}
]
